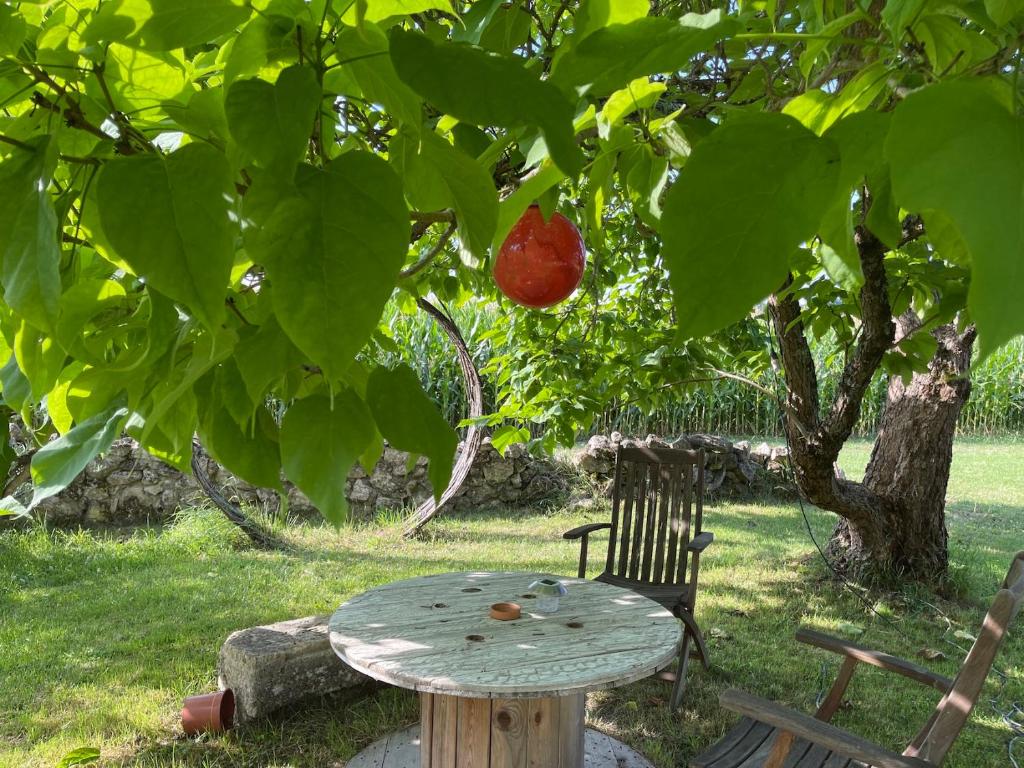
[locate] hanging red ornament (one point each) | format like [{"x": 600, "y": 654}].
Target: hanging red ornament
[{"x": 541, "y": 262}]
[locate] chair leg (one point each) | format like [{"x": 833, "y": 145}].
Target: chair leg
[
  {"x": 679, "y": 687},
  {"x": 692, "y": 630}
]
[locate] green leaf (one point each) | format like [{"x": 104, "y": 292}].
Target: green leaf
[
  {"x": 12, "y": 31},
  {"x": 16, "y": 389},
  {"x": 485, "y": 88},
  {"x": 168, "y": 219},
  {"x": 639, "y": 94},
  {"x": 1003, "y": 12},
  {"x": 749, "y": 195},
  {"x": 320, "y": 442},
  {"x": 475, "y": 20},
  {"x": 899, "y": 15},
  {"x": 364, "y": 54},
  {"x": 508, "y": 435},
  {"x": 7, "y": 454},
  {"x": 274, "y": 122},
  {"x": 596, "y": 14},
  {"x": 28, "y": 233},
  {"x": 611, "y": 57},
  {"x": 378, "y": 10},
  {"x": 161, "y": 25},
  {"x": 819, "y": 110},
  {"x": 513, "y": 206},
  {"x": 440, "y": 176},
  {"x": 167, "y": 433},
  {"x": 40, "y": 357},
  {"x": 956, "y": 149},
  {"x": 203, "y": 116},
  {"x": 950, "y": 48},
  {"x": 409, "y": 421},
  {"x": 60, "y": 461},
  {"x": 253, "y": 455},
  {"x": 80, "y": 756},
  {"x": 263, "y": 356},
  {"x": 333, "y": 253}
]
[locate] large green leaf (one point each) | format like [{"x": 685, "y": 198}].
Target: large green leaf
[
  {"x": 263, "y": 356},
  {"x": 28, "y": 233},
  {"x": 612, "y": 56},
  {"x": 440, "y": 176},
  {"x": 320, "y": 441},
  {"x": 749, "y": 195},
  {"x": 333, "y": 253},
  {"x": 253, "y": 454},
  {"x": 364, "y": 54},
  {"x": 409, "y": 421},
  {"x": 486, "y": 88},
  {"x": 58, "y": 462},
  {"x": 956, "y": 149},
  {"x": 274, "y": 122},
  {"x": 161, "y": 25},
  {"x": 167, "y": 217}
]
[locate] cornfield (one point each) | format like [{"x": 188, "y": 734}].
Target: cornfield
[{"x": 995, "y": 408}]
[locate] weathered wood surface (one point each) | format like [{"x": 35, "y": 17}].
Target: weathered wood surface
[
  {"x": 402, "y": 750},
  {"x": 433, "y": 634},
  {"x": 457, "y": 732},
  {"x": 772, "y": 736}
]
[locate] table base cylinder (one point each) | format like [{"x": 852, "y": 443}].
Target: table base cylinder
[{"x": 458, "y": 732}]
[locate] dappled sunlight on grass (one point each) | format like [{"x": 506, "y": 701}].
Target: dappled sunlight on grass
[{"x": 103, "y": 635}]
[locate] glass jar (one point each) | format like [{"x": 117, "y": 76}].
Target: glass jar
[{"x": 548, "y": 592}]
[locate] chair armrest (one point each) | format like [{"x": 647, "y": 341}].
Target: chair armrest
[
  {"x": 875, "y": 658},
  {"x": 700, "y": 542},
  {"x": 585, "y": 530},
  {"x": 806, "y": 727}
]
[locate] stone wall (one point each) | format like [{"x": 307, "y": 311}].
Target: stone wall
[
  {"x": 731, "y": 469},
  {"x": 128, "y": 486}
]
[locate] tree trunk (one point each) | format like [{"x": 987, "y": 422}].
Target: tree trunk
[{"x": 905, "y": 538}]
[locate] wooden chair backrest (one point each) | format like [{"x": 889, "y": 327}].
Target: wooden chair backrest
[
  {"x": 951, "y": 713},
  {"x": 657, "y": 505}
]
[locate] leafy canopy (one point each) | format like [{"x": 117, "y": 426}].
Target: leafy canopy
[{"x": 206, "y": 207}]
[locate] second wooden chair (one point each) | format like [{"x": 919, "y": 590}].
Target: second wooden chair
[{"x": 655, "y": 538}]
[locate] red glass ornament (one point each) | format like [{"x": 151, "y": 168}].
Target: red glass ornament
[{"x": 540, "y": 263}]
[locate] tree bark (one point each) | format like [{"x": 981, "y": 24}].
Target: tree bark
[
  {"x": 905, "y": 539},
  {"x": 892, "y": 524}
]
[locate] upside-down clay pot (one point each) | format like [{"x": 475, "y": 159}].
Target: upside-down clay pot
[
  {"x": 505, "y": 611},
  {"x": 541, "y": 262},
  {"x": 212, "y": 712}
]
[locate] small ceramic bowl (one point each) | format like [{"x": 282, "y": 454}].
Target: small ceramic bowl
[{"x": 505, "y": 611}]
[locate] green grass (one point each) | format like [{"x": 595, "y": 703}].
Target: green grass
[{"x": 103, "y": 635}]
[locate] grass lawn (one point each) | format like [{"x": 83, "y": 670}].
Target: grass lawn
[{"x": 103, "y": 635}]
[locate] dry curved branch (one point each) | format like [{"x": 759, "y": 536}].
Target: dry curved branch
[
  {"x": 260, "y": 537},
  {"x": 474, "y": 437}
]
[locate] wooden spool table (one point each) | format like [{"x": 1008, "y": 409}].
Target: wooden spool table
[{"x": 501, "y": 694}]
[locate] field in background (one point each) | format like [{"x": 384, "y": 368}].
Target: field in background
[
  {"x": 996, "y": 407},
  {"x": 103, "y": 635}
]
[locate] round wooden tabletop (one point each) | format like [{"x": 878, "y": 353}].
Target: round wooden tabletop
[{"x": 434, "y": 634}]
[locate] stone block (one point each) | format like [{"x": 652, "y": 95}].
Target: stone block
[{"x": 272, "y": 666}]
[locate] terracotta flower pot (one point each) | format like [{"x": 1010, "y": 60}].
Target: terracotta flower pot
[
  {"x": 505, "y": 611},
  {"x": 213, "y": 712}
]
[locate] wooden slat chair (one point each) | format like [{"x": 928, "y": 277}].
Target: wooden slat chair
[
  {"x": 773, "y": 736},
  {"x": 655, "y": 538}
]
